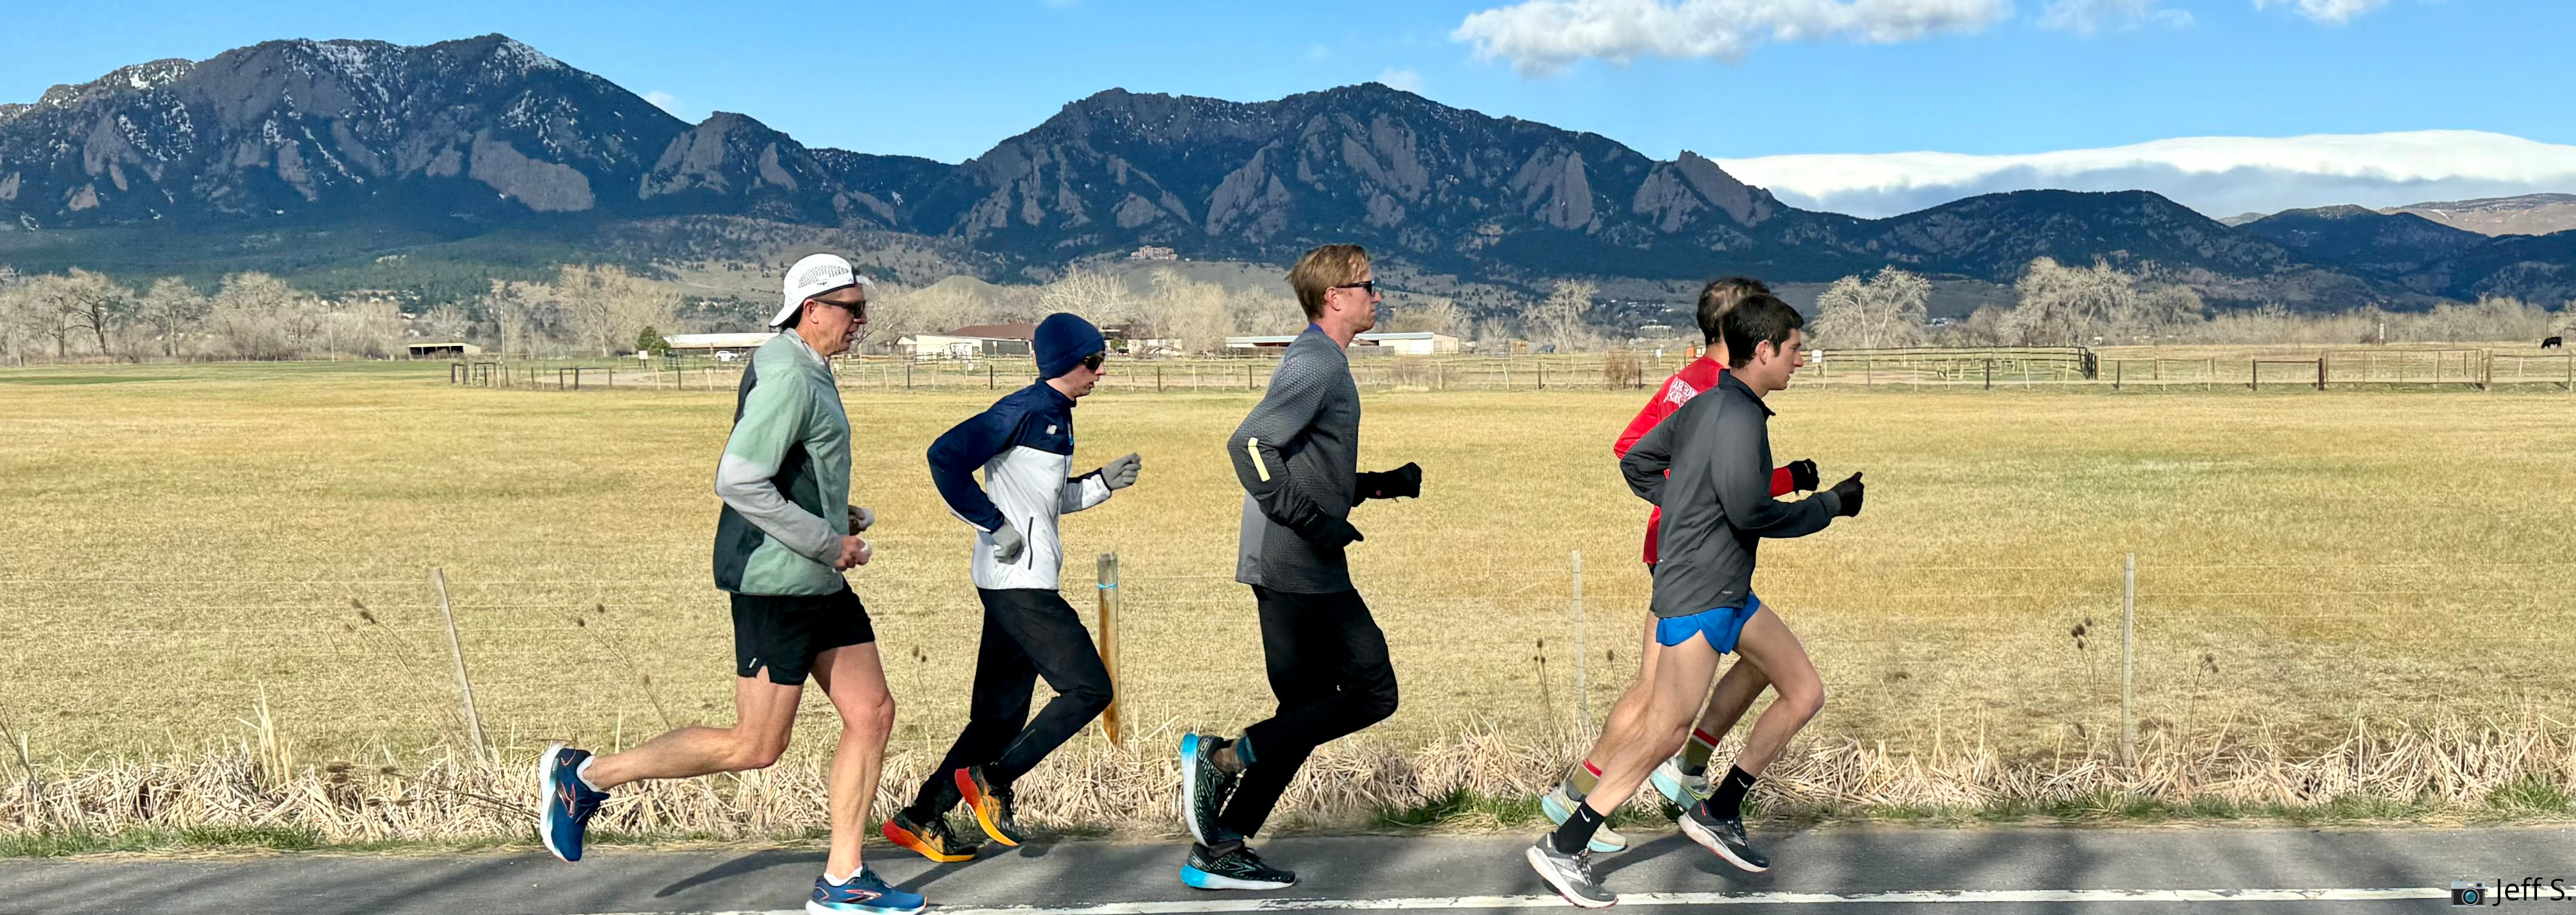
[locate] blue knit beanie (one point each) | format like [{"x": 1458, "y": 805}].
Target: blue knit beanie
[{"x": 1062, "y": 342}]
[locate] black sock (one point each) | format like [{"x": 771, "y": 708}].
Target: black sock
[
  {"x": 1576, "y": 834},
  {"x": 1727, "y": 802}
]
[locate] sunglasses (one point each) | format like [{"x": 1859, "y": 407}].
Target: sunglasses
[
  {"x": 1093, "y": 361},
  {"x": 1366, "y": 286}
]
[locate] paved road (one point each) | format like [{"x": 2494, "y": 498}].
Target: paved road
[{"x": 1846, "y": 870}]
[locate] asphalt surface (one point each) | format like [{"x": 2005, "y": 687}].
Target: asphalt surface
[{"x": 1835, "y": 870}]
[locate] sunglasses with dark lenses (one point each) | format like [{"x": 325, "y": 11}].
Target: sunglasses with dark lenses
[
  {"x": 1092, "y": 361},
  {"x": 1367, "y": 286}
]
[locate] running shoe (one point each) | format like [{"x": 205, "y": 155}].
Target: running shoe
[
  {"x": 1680, "y": 788},
  {"x": 931, "y": 838},
  {"x": 866, "y": 892},
  {"x": 1725, "y": 837},
  {"x": 1571, "y": 875},
  {"x": 1204, "y": 785},
  {"x": 564, "y": 804},
  {"x": 992, "y": 805},
  {"x": 1239, "y": 869},
  {"x": 1559, "y": 805}
]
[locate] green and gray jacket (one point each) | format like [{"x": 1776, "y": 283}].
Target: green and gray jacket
[{"x": 785, "y": 476}]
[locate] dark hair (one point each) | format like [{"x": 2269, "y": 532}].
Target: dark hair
[
  {"x": 1760, "y": 318},
  {"x": 1720, "y": 296}
]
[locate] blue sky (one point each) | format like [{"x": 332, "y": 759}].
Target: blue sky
[{"x": 947, "y": 80}]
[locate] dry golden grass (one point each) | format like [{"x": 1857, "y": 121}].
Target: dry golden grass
[{"x": 181, "y": 539}]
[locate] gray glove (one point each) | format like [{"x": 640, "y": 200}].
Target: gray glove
[
  {"x": 861, "y": 519},
  {"x": 1120, "y": 473},
  {"x": 1007, "y": 544}
]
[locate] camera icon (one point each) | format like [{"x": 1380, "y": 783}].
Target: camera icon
[{"x": 2466, "y": 893}]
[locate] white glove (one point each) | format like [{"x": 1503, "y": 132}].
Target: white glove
[
  {"x": 1007, "y": 544},
  {"x": 1120, "y": 473},
  {"x": 861, "y": 519}
]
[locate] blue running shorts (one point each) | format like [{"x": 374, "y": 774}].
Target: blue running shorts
[{"x": 1722, "y": 625}]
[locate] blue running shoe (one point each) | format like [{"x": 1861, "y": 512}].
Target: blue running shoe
[
  {"x": 866, "y": 892},
  {"x": 564, "y": 804},
  {"x": 1204, "y": 785},
  {"x": 1239, "y": 869}
]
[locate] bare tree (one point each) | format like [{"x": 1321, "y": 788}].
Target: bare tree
[
  {"x": 258, "y": 316},
  {"x": 171, "y": 308},
  {"x": 605, "y": 307},
  {"x": 92, "y": 302},
  {"x": 1558, "y": 319},
  {"x": 1095, "y": 296},
  {"x": 523, "y": 315},
  {"x": 1192, "y": 313},
  {"x": 1884, "y": 311}
]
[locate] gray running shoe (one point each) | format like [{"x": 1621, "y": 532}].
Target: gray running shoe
[
  {"x": 1571, "y": 875},
  {"x": 1725, "y": 837}
]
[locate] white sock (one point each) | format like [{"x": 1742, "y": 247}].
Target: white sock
[
  {"x": 842, "y": 880},
  {"x": 581, "y": 773}
]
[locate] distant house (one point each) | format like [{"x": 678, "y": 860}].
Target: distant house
[
  {"x": 1151, "y": 253},
  {"x": 981, "y": 341},
  {"x": 450, "y": 350},
  {"x": 1417, "y": 343},
  {"x": 715, "y": 344}
]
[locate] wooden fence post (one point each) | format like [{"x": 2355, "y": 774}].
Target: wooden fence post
[
  {"x": 464, "y": 683},
  {"x": 1112, "y": 720},
  {"x": 2128, "y": 659}
]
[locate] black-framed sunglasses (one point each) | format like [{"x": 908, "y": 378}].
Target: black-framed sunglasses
[
  {"x": 1367, "y": 286},
  {"x": 1093, "y": 361}
]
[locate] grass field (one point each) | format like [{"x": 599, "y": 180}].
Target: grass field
[{"x": 182, "y": 540}]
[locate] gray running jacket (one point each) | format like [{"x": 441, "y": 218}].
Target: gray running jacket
[
  {"x": 1717, "y": 498},
  {"x": 1297, "y": 456}
]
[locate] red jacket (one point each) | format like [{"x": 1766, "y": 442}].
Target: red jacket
[{"x": 1700, "y": 375}]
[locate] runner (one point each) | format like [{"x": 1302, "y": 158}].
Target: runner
[
  {"x": 1024, "y": 443},
  {"x": 1297, "y": 457},
  {"x": 1718, "y": 507},
  {"x": 1680, "y": 779},
  {"x": 785, "y": 537}
]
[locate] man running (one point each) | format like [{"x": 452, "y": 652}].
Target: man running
[
  {"x": 1717, "y": 508},
  {"x": 1297, "y": 457},
  {"x": 1681, "y": 779},
  {"x": 785, "y": 537},
  {"x": 1024, "y": 443}
]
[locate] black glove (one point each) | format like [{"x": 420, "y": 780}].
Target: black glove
[
  {"x": 1802, "y": 476},
  {"x": 1850, "y": 491},
  {"x": 1334, "y": 534},
  {"x": 1401, "y": 483}
]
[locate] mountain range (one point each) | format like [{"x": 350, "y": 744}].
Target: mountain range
[{"x": 387, "y": 150}]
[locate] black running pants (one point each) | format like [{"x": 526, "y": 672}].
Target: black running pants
[
  {"x": 1028, "y": 633},
  {"x": 1328, "y": 666}
]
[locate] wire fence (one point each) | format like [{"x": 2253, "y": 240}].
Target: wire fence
[
  {"x": 2006, "y": 368},
  {"x": 2029, "y": 658}
]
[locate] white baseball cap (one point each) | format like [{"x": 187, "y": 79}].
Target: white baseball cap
[{"x": 817, "y": 274}]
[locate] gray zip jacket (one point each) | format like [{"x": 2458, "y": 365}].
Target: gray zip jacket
[
  {"x": 1717, "y": 498},
  {"x": 1297, "y": 456}
]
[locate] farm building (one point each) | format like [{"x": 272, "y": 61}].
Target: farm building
[
  {"x": 710, "y": 344},
  {"x": 978, "y": 341},
  {"x": 1417, "y": 343},
  {"x": 449, "y": 350}
]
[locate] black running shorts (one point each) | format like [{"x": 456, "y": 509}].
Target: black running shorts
[{"x": 784, "y": 632}]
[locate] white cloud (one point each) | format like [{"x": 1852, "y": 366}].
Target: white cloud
[
  {"x": 1406, "y": 80},
  {"x": 2331, "y": 12},
  {"x": 665, "y": 101},
  {"x": 1542, "y": 36},
  {"x": 2085, "y": 17},
  {"x": 2220, "y": 176}
]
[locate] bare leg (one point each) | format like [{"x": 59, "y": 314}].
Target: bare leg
[
  {"x": 1736, "y": 689},
  {"x": 1632, "y": 703},
  {"x": 854, "y": 676},
  {"x": 764, "y": 715},
  {"x": 1771, "y": 648},
  {"x": 1681, "y": 680}
]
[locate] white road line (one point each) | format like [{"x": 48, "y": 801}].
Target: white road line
[{"x": 1917, "y": 897}]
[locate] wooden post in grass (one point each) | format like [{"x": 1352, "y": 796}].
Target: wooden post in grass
[
  {"x": 2128, "y": 660},
  {"x": 464, "y": 684},
  {"x": 1582, "y": 683},
  {"x": 1110, "y": 721}
]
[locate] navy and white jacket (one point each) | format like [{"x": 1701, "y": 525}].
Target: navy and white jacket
[{"x": 1024, "y": 442}]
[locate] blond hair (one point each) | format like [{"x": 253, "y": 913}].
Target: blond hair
[{"x": 1321, "y": 270}]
